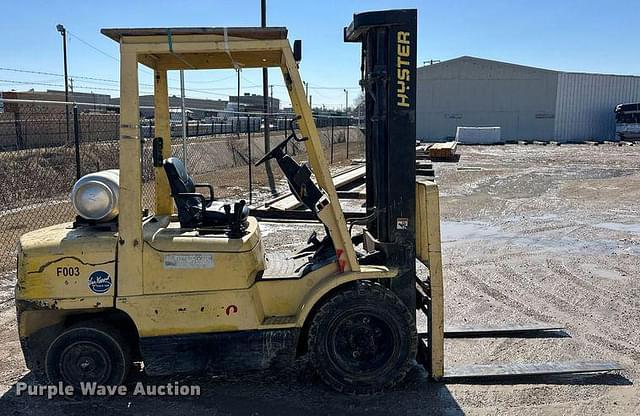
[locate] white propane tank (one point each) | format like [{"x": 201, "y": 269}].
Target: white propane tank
[{"x": 95, "y": 196}]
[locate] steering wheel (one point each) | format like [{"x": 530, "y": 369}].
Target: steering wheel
[{"x": 277, "y": 151}]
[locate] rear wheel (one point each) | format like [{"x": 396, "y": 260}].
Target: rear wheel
[
  {"x": 88, "y": 353},
  {"x": 362, "y": 339}
]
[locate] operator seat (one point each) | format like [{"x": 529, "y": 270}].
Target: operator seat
[{"x": 194, "y": 210}]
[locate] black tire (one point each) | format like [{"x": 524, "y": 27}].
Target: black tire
[
  {"x": 88, "y": 352},
  {"x": 362, "y": 340}
]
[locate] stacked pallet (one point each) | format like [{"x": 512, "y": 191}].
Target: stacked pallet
[
  {"x": 424, "y": 168},
  {"x": 443, "y": 150}
]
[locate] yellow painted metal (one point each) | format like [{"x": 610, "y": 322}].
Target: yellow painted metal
[
  {"x": 239, "y": 309},
  {"x": 225, "y": 297},
  {"x": 428, "y": 251},
  {"x": 205, "y": 51},
  {"x": 164, "y": 202},
  {"x": 334, "y": 221},
  {"x": 130, "y": 242},
  {"x": 199, "y": 44},
  {"x": 55, "y": 264},
  {"x": 162, "y": 295},
  {"x": 219, "y": 61},
  {"x": 232, "y": 263}
]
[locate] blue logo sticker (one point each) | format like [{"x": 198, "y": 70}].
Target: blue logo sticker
[{"x": 99, "y": 281}]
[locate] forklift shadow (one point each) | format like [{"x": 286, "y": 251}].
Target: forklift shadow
[
  {"x": 292, "y": 391},
  {"x": 596, "y": 379}
]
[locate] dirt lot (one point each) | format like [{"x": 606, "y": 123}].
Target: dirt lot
[{"x": 531, "y": 234}]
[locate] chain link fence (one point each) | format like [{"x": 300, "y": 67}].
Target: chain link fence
[{"x": 45, "y": 146}]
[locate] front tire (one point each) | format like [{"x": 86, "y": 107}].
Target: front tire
[
  {"x": 88, "y": 353},
  {"x": 362, "y": 340}
]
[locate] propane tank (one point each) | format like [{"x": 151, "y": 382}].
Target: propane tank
[{"x": 95, "y": 196}]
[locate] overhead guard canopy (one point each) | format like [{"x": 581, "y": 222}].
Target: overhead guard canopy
[{"x": 204, "y": 47}]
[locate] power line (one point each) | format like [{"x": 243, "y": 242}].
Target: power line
[
  {"x": 103, "y": 52},
  {"x": 88, "y": 87},
  {"x": 253, "y": 85},
  {"x": 213, "y": 80},
  {"x": 7, "y": 81},
  {"x": 244, "y": 78},
  {"x": 26, "y": 71},
  {"x": 333, "y": 88},
  {"x": 93, "y": 47}
]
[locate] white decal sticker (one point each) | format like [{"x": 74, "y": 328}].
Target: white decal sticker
[
  {"x": 188, "y": 261},
  {"x": 402, "y": 224}
]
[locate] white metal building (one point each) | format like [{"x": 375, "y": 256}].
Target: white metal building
[{"x": 525, "y": 102}]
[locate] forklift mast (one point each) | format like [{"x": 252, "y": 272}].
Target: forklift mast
[{"x": 388, "y": 68}]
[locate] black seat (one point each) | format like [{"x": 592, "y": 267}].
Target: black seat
[{"x": 194, "y": 210}]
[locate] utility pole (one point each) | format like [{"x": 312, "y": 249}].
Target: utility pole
[
  {"x": 238, "y": 109},
  {"x": 184, "y": 119},
  {"x": 63, "y": 32},
  {"x": 346, "y": 101},
  {"x": 347, "y": 118},
  {"x": 271, "y": 98},
  {"x": 306, "y": 89},
  {"x": 265, "y": 93},
  {"x": 311, "y": 103}
]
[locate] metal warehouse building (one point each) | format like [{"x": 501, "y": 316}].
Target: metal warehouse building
[{"x": 526, "y": 102}]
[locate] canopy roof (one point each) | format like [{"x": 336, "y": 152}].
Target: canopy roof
[
  {"x": 263, "y": 33},
  {"x": 203, "y": 47}
]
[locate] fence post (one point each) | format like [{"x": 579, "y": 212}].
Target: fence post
[
  {"x": 250, "y": 161},
  {"x": 20, "y": 142},
  {"x": 197, "y": 127},
  {"x": 76, "y": 137},
  {"x": 348, "y": 128},
  {"x": 332, "y": 123}
]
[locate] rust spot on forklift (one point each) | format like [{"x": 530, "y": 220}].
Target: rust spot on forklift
[{"x": 36, "y": 305}]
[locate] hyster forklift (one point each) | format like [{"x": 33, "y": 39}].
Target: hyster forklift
[{"x": 191, "y": 289}]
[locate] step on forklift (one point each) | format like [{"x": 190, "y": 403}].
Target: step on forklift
[{"x": 190, "y": 289}]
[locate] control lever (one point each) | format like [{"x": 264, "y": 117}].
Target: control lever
[
  {"x": 313, "y": 239},
  {"x": 237, "y": 225}
]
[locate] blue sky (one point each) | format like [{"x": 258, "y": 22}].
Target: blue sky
[{"x": 573, "y": 35}]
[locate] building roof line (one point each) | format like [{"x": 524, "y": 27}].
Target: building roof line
[{"x": 474, "y": 58}]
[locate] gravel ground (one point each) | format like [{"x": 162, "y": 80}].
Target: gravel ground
[{"x": 530, "y": 234}]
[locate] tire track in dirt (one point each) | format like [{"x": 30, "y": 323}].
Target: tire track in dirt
[
  {"x": 619, "y": 296},
  {"x": 502, "y": 351},
  {"x": 587, "y": 330}
]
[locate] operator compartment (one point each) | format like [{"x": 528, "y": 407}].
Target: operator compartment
[
  {"x": 178, "y": 259},
  {"x": 209, "y": 245}
]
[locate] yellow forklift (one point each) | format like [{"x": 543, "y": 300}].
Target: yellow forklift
[{"x": 191, "y": 289}]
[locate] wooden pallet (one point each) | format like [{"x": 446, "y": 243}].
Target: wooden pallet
[{"x": 443, "y": 150}]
